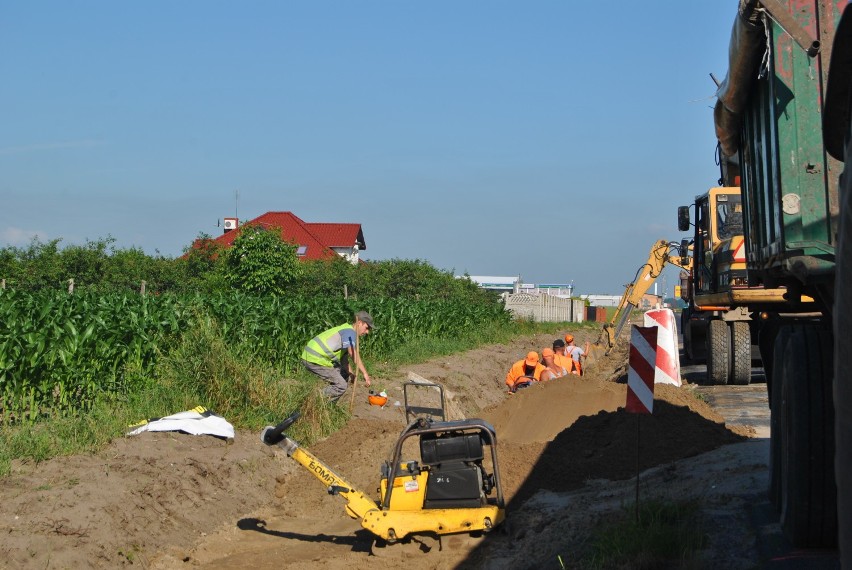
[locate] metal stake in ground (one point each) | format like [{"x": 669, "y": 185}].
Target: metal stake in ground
[{"x": 640, "y": 382}]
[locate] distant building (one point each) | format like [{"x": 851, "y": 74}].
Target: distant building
[
  {"x": 313, "y": 240},
  {"x": 651, "y": 301},
  {"x": 564, "y": 290},
  {"x": 602, "y": 300},
  {"x": 514, "y": 284},
  {"x": 496, "y": 283}
]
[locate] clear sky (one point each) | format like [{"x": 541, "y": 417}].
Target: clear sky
[{"x": 548, "y": 139}]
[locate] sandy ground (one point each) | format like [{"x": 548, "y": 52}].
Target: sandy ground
[{"x": 567, "y": 456}]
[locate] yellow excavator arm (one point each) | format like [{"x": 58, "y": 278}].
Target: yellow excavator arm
[{"x": 662, "y": 252}]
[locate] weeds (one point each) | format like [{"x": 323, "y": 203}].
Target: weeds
[
  {"x": 202, "y": 368},
  {"x": 667, "y": 535}
]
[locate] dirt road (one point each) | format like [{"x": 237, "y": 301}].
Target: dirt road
[
  {"x": 742, "y": 405},
  {"x": 749, "y": 405},
  {"x": 567, "y": 455}
]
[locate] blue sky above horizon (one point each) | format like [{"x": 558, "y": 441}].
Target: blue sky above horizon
[{"x": 552, "y": 140}]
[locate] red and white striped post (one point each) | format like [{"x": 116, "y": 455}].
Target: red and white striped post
[
  {"x": 642, "y": 369},
  {"x": 640, "y": 382}
]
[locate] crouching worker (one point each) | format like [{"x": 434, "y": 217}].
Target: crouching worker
[
  {"x": 562, "y": 358},
  {"x": 552, "y": 368},
  {"x": 323, "y": 354},
  {"x": 524, "y": 372}
]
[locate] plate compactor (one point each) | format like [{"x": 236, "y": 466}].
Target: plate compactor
[{"x": 446, "y": 491}]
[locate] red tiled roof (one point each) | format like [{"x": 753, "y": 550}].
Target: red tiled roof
[
  {"x": 317, "y": 238},
  {"x": 338, "y": 235}
]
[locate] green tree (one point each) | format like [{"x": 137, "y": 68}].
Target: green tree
[
  {"x": 86, "y": 264},
  {"x": 38, "y": 266},
  {"x": 326, "y": 277},
  {"x": 261, "y": 262},
  {"x": 203, "y": 266}
]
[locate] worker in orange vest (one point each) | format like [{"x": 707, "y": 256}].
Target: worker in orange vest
[
  {"x": 562, "y": 358},
  {"x": 552, "y": 369},
  {"x": 524, "y": 372}
]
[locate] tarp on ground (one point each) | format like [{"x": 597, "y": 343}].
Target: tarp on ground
[{"x": 197, "y": 421}]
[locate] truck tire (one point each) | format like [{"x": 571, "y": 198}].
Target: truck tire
[
  {"x": 775, "y": 355},
  {"x": 843, "y": 355},
  {"x": 843, "y": 371},
  {"x": 694, "y": 339},
  {"x": 718, "y": 352},
  {"x": 740, "y": 353},
  {"x": 838, "y": 111},
  {"x": 808, "y": 491}
]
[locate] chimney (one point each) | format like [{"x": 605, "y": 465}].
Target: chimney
[{"x": 231, "y": 224}]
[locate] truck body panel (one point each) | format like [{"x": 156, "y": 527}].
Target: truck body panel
[
  {"x": 769, "y": 123},
  {"x": 789, "y": 181}
]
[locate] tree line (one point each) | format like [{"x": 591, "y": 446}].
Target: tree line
[{"x": 258, "y": 262}]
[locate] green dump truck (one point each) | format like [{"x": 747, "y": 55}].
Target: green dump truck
[{"x": 782, "y": 120}]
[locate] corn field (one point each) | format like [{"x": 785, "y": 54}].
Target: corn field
[{"x": 59, "y": 352}]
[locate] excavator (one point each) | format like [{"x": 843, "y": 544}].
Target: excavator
[
  {"x": 721, "y": 319},
  {"x": 662, "y": 252},
  {"x": 445, "y": 491}
]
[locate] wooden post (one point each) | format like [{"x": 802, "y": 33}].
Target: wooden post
[
  {"x": 638, "y": 467},
  {"x": 71, "y": 286},
  {"x": 142, "y": 288},
  {"x": 357, "y": 368},
  {"x": 2, "y": 283},
  {"x": 345, "y": 292}
]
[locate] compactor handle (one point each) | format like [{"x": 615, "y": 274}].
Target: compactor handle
[{"x": 273, "y": 435}]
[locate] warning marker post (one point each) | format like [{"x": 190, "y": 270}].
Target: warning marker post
[
  {"x": 640, "y": 382},
  {"x": 668, "y": 357}
]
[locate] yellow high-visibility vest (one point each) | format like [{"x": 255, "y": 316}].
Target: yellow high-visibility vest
[{"x": 318, "y": 352}]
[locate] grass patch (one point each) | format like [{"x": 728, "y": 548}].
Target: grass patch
[
  {"x": 203, "y": 369},
  {"x": 700, "y": 396},
  {"x": 667, "y": 535}
]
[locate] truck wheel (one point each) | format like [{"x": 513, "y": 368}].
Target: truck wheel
[
  {"x": 718, "y": 352},
  {"x": 843, "y": 356},
  {"x": 808, "y": 491},
  {"x": 740, "y": 353},
  {"x": 775, "y": 356}
]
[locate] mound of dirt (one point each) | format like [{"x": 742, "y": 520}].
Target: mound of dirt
[{"x": 173, "y": 501}]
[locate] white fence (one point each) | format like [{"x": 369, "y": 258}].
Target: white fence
[{"x": 545, "y": 308}]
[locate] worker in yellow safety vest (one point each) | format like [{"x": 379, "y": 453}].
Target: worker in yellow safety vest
[{"x": 326, "y": 354}]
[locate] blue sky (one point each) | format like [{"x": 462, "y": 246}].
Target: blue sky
[{"x": 548, "y": 139}]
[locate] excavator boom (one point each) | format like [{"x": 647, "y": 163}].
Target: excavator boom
[{"x": 660, "y": 255}]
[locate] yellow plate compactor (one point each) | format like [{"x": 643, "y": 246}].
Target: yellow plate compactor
[{"x": 446, "y": 491}]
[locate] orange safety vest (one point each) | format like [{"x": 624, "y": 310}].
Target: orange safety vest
[
  {"x": 565, "y": 361},
  {"x": 517, "y": 371}
]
